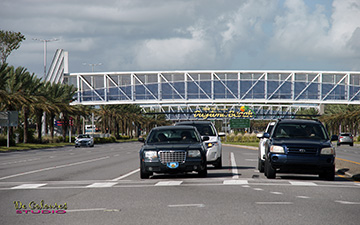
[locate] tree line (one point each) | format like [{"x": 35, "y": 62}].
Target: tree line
[{"x": 32, "y": 97}]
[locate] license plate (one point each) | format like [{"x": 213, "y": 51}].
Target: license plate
[{"x": 173, "y": 165}]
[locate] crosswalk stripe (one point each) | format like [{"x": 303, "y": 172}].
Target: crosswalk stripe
[
  {"x": 28, "y": 186},
  {"x": 301, "y": 183},
  {"x": 235, "y": 182},
  {"x": 101, "y": 185},
  {"x": 168, "y": 183}
]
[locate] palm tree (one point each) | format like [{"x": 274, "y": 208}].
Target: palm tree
[
  {"x": 14, "y": 93},
  {"x": 32, "y": 91},
  {"x": 4, "y": 76},
  {"x": 59, "y": 97},
  {"x": 81, "y": 111}
]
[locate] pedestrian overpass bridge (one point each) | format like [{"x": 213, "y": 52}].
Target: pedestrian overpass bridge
[
  {"x": 188, "y": 94},
  {"x": 265, "y": 92}
]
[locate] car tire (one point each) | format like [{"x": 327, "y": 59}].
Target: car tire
[
  {"x": 218, "y": 163},
  {"x": 260, "y": 165},
  {"x": 338, "y": 144},
  {"x": 270, "y": 172},
  {"x": 203, "y": 173},
  {"x": 329, "y": 175},
  {"x": 351, "y": 144}
]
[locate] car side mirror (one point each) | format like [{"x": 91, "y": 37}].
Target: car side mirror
[
  {"x": 205, "y": 138},
  {"x": 141, "y": 139},
  {"x": 334, "y": 137},
  {"x": 263, "y": 135}
]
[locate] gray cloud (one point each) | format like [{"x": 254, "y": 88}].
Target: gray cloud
[{"x": 129, "y": 35}]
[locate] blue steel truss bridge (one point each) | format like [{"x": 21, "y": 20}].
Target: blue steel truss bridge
[{"x": 267, "y": 93}]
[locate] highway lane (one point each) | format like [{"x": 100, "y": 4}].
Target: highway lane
[
  {"x": 101, "y": 185},
  {"x": 348, "y": 152}
]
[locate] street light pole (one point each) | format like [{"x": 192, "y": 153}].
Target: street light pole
[
  {"x": 45, "y": 50},
  {"x": 92, "y": 65}
]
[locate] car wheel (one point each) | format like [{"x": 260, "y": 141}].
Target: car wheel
[
  {"x": 329, "y": 175},
  {"x": 260, "y": 165},
  {"x": 218, "y": 164},
  {"x": 270, "y": 172},
  {"x": 338, "y": 144},
  {"x": 351, "y": 144},
  {"x": 203, "y": 173}
]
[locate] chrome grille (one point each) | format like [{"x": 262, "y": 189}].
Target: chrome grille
[
  {"x": 302, "y": 151},
  {"x": 172, "y": 156}
]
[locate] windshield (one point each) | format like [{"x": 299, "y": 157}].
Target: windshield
[
  {"x": 204, "y": 129},
  {"x": 307, "y": 131},
  {"x": 84, "y": 136},
  {"x": 173, "y": 135}
]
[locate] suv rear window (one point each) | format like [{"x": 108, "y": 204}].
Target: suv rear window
[
  {"x": 344, "y": 134},
  {"x": 294, "y": 130}
]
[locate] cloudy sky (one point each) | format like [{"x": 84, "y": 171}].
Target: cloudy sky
[{"x": 161, "y": 35}]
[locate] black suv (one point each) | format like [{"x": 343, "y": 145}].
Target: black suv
[
  {"x": 173, "y": 149},
  {"x": 299, "y": 146}
]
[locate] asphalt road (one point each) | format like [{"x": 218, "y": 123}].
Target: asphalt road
[{"x": 101, "y": 185}]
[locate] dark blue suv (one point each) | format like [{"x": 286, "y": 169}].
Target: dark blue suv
[{"x": 299, "y": 146}]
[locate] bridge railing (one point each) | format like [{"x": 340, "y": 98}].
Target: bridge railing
[{"x": 211, "y": 87}]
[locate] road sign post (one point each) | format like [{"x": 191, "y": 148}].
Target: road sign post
[{"x": 9, "y": 119}]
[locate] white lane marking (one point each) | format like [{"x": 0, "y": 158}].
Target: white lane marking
[
  {"x": 53, "y": 167},
  {"x": 126, "y": 175},
  {"x": 101, "y": 185},
  {"x": 252, "y": 160},
  {"x": 187, "y": 205},
  {"x": 348, "y": 203},
  {"x": 28, "y": 186},
  {"x": 20, "y": 161},
  {"x": 304, "y": 197},
  {"x": 276, "y": 193},
  {"x": 234, "y": 167},
  {"x": 301, "y": 183},
  {"x": 258, "y": 189},
  {"x": 274, "y": 203},
  {"x": 235, "y": 182},
  {"x": 168, "y": 183}
]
